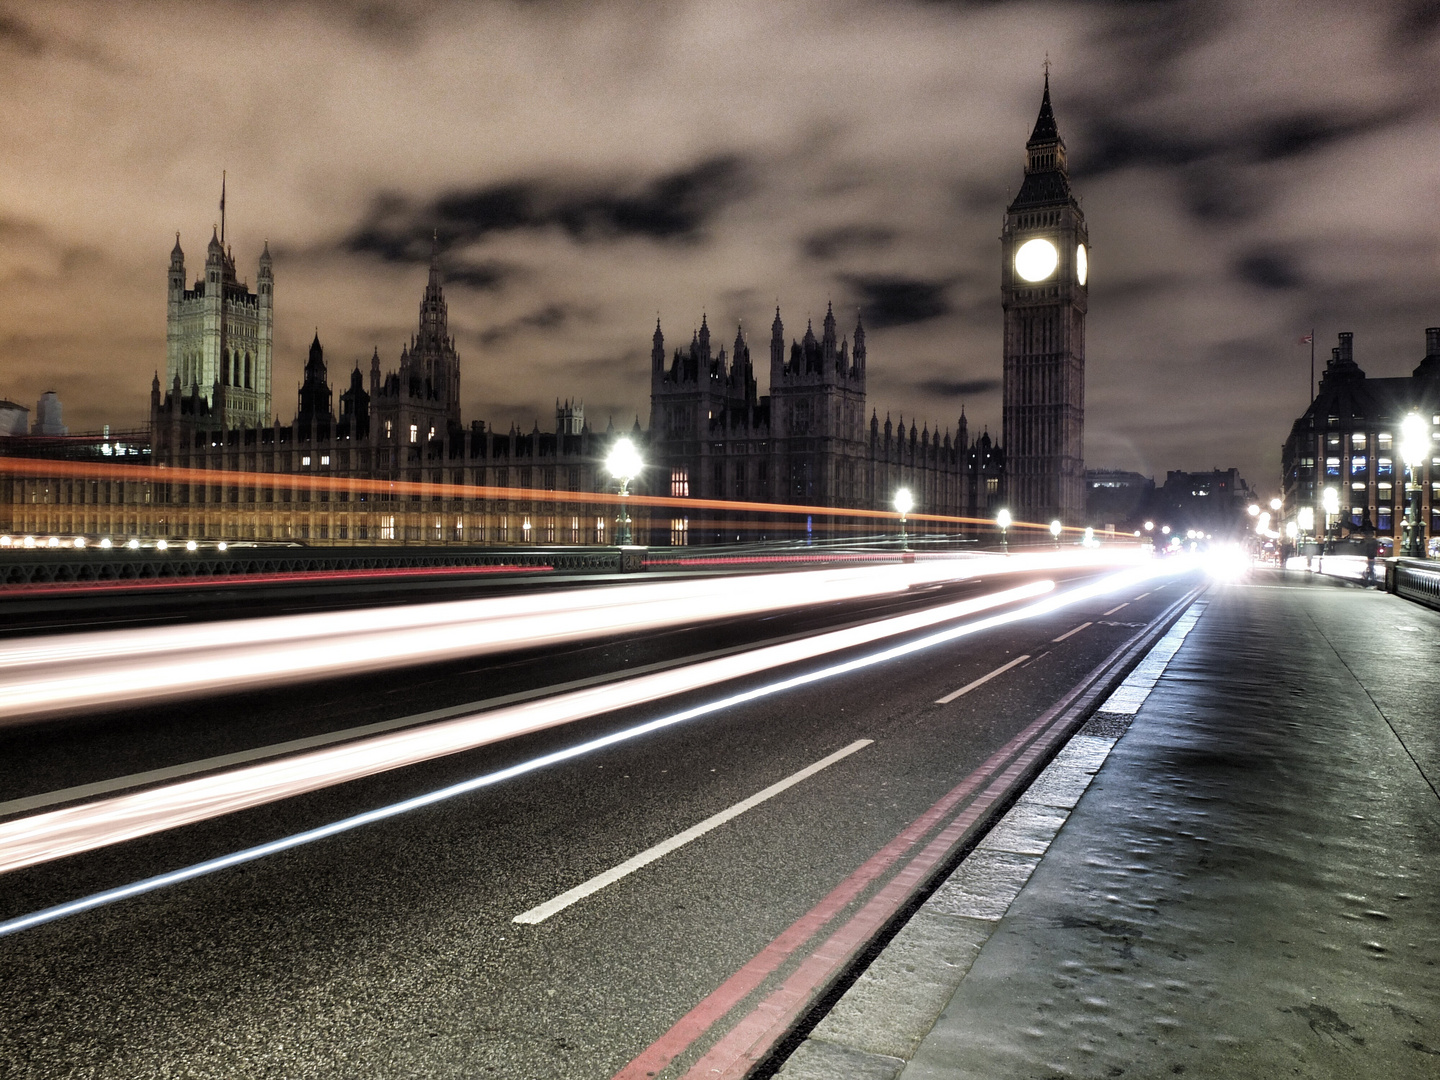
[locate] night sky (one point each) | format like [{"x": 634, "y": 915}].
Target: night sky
[{"x": 1247, "y": 170}]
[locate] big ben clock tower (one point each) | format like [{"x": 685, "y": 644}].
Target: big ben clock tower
[{"x": 1043, "y": 275}]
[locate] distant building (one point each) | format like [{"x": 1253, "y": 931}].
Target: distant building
[
  {"x": 1214, "y": 502},
  {"x": 1044, "y": 273},
  {"x": 48, "y": 419},
  {"x": 14, "y": 418},
  {"x": 1349, "y": 439},
  {"x": 1116, "y": 497}
]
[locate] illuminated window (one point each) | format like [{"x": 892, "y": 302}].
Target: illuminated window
[
  {"x": 1332, "y": 466},
  {"x": 574, "y": 530},
  {"x": 324, "y": 459},
  {"x": 1383, "y": 492},
  {"x": 679, "y": 531},
  {"x": 1357, "y": 441},
  {"x": 549, "y": 529},
  {"x": 389, "y": 429},
  {"x": 414, "y": 433},
  {"x": 525, "y": 528},
  {"x": 432, "y": 431},
  {"x": 1357, "y": 464},
  {"x": 305, "y": 460},
  {"x": 1384, "y": 440},
  {"x": 502, "y": 529},
  {"x": 1359, "y": 485},
  {"x": 1384, "y": 466},
  {"x": 599, "y": 530},
  {"x": 680, "y": 483},
  {"x": 387, "y": 528}
]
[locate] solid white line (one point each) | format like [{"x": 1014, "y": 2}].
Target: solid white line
[
  {"x": 980, "y": 681},
  {"x": 1067, "y": 633},
  {"x": 1116, "y": 608},
  {"x": 610, "y": 877}
]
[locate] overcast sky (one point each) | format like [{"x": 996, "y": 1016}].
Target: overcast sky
[{"x": 1247, "y": 170}]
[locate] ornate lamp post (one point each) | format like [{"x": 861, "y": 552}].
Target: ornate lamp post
[
  {"x": 1055, "y": 527},
  {"x": 1003, "y": 520},
  {"x": 623, "y": 463},
  {"x": 1414, "y": 448},
  {"x": 904, "y": 503},
  {"x": 1330, "y": 503}
]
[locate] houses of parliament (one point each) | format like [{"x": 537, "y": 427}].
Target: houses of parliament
[{"x": 390, "y": 459}]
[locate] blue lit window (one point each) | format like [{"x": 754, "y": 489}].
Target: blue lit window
[
  {"x": 1384, "y": 467},
  {"x": 1332, "y": 466},
  {"x": 1357, "y": 463}
]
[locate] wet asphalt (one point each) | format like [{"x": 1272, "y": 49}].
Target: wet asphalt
[{"x": 391, "y": 952}]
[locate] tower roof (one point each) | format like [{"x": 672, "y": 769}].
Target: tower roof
[{"x": 1046, "y": 130}]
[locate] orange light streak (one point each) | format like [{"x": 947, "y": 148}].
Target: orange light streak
[{"x": 161, "y": 474}]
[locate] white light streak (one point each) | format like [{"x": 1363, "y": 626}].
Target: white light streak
[
  {"x": 1043, "y": 607},
  {"x": 75, "y": 672}
]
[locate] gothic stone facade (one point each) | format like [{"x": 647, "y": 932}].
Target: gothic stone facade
[
  {"x": 807, "y": 442},
  {"x": 219, "y": 335}
]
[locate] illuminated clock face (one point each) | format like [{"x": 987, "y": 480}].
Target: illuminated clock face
[
  {"x": 1036, "y": 259},
  {"x": 1082, "y": 264}
]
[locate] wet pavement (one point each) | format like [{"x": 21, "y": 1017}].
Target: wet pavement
[{"x": 1231, "y": 871}]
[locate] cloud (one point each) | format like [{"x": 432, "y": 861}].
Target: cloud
[
  {"x": 957, "y": 389},
  {"x": 847, "y": 240},
  {"x": 674, "y": 207},
  {"x": 549, "y": 317},
  {"x": 896, "y": 300},
  {"x": 1268, "y": 270}
]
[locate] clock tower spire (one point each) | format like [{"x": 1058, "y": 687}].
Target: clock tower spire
[{"x": 1044, "y": 274}]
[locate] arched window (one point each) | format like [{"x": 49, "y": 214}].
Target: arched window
[
  {"x": 225, "y": 369},
  {"x": 247, "y": 371}
]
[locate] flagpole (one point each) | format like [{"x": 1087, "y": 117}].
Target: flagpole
[{"x": 1312, "y": 363}]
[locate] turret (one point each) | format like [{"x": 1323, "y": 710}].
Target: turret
[
  {"x": 777, "y": 349},
  {"x": 858, "y": 370}
]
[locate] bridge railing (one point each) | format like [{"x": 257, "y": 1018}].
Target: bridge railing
[{"x": 1414, "y": 579}]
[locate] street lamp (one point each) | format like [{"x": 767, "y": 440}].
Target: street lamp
[
  {"x": 904, "y": 503},
  {"x": 1414, "y": 447},
  {"x": 623, "y": 463},
  {"x": 1003, "y": 520},
  {"x": 1275, "y": 504},
  {"x": 1330, "y": 503},
  {"x": 1253, "y": 510},
  {"x": 1055, "y": 531}
]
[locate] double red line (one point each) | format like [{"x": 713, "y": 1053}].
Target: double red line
[{"x": 756, "y": 1034}]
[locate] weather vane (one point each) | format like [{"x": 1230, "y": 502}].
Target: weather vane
[{"x": 1047, "y": 63}]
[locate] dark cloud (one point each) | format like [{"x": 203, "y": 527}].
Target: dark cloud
[
  {"x": 847, "y": 240},
  {"x": 675, "y": 207},
  {"x": 894, "y": 300},
  {"x": 549, "y": 317},
  {"x": 1268, "y": 270},
  {"x": 19, "y": 36},
  {"x": 957, "y": 389}
]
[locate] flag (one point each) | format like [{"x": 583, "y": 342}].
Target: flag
[{"x": 1308, "y": 339}]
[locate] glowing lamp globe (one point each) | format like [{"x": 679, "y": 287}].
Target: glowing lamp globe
[
  {"x": 904, "y": 501},
  {"x": 1414, "y": 439},
  {"x": 1003, "y": 519},
  {"x": 1036, "y": 260},
  {"x": 624, "y": 460}
]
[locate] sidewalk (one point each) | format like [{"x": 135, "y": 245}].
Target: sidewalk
[{"x": 1249, "y": 886}]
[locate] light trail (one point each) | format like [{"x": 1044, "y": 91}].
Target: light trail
[
  {"x": 75, "y": 672},
  {"x": 1046, "y": 606},
  {"x": 399, "y": 490},
  {"x": 290, "y": 577},
  {"x": 57, "y": 833}
]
